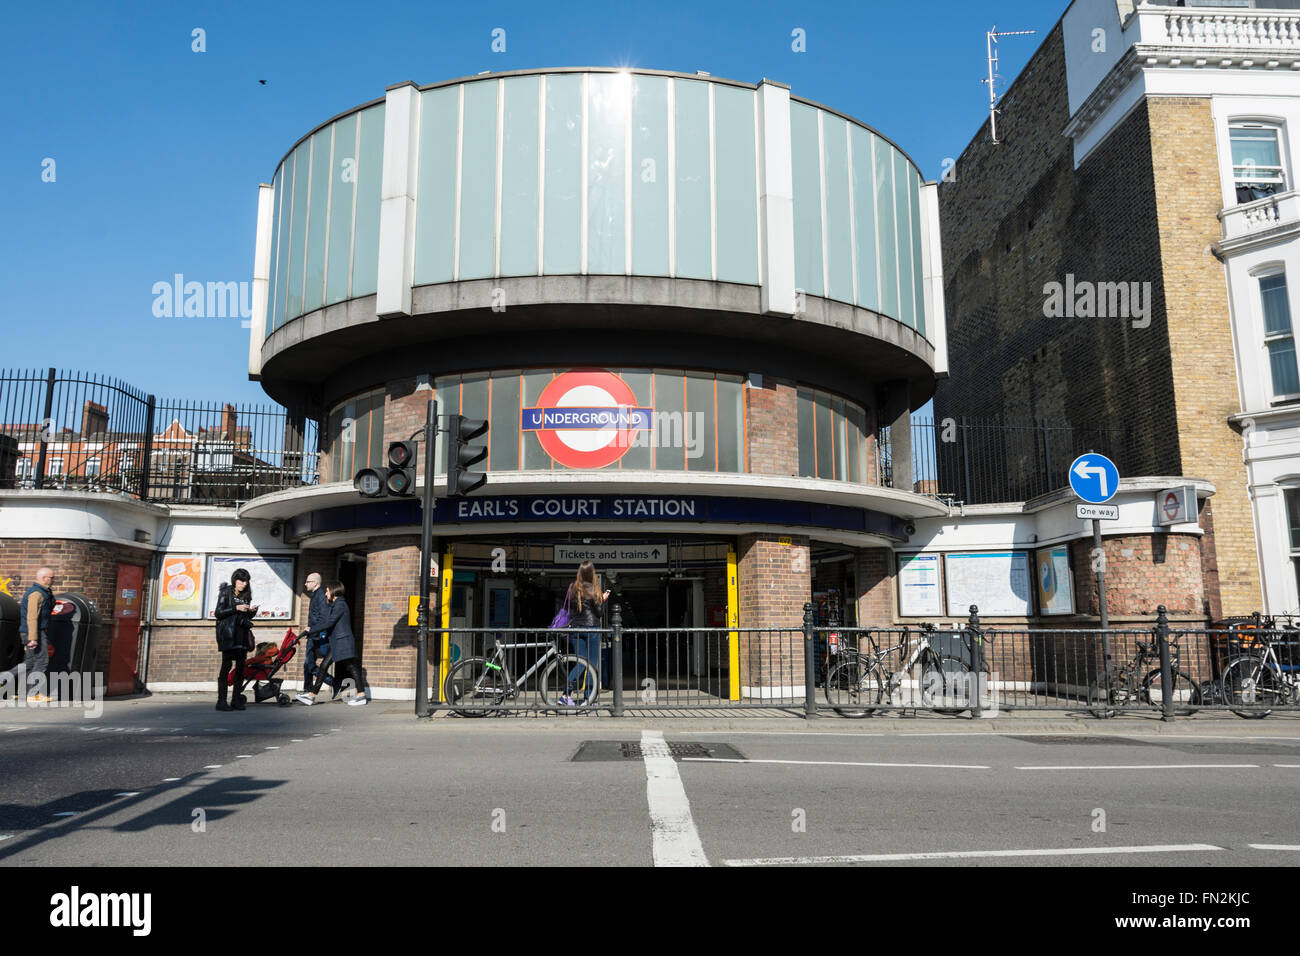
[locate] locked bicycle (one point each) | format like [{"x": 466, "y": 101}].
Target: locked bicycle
[
  {"x": 1257, "y": 678},
  {"x": 862, "y": 683},
  {"x": 479, "y": 686},
  {"x": 1138, "y": 683}
]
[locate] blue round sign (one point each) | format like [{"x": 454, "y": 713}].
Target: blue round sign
[{"x": 1094, "y": 478}]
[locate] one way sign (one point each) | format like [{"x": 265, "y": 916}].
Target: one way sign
[{"x": 1094, "y": 478}]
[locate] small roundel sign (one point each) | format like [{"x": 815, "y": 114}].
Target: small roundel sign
[{"x": 586, "y": 418}]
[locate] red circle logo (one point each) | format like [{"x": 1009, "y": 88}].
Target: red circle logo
[
  {"x": 1172, "y": 506},
  {"x": 586, "y": 418}
]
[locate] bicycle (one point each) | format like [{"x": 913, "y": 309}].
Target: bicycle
[
  {"x": 861, "y": 683},
  {"x": 1122, "y": 687},
  {"x": 1256, "y": 678},
  {"x": 487, "y": 680}
]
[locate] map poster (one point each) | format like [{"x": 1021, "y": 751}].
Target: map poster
[
  {"x": 997, "y": 582},
  {"x": 918, "y": 586},
  {"x": 270, "y": 578}
]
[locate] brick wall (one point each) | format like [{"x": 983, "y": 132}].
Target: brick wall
[
  {"x": 772, "y": 421},
  {"x": 774, "y": 583},
  {"x": 1142, "y": 572},
  {"x": 392, "y": 575},
  {"x": 875, "y": 587},
  {"x": 84, "y": 567}
]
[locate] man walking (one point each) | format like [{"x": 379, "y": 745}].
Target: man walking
[
  {"x": 317, "y": 614},
  {"x": 33, "y": 623}
]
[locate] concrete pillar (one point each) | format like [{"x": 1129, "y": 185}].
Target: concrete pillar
[
  {"x": 774, "y": 580},
  {"x": 896, "y": 412}
]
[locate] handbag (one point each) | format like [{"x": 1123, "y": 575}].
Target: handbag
[{"x": 562, "y": 616}]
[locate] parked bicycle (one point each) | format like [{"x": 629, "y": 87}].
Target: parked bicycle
[
  {"x": 1256, "y": 677},
  {"x": 861, "y": 682},
  {"x": 478, "y": 686},
  {"x": 1138, "y": 682}
]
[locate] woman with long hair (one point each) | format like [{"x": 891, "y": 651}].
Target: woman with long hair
[
  {"x": 337, "y": 632},
  {"x": 234, "y": 613},
  {"x": 586, "y": 605}
]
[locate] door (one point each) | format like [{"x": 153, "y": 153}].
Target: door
[{"x": 124, "y": 651}]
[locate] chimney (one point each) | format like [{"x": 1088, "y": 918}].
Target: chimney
[
  {"x": 228, "y": 422},
  {"x": 94, "y": 419}
]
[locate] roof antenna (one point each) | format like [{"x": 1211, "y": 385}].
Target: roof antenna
[{"x": 993, "y": 36}]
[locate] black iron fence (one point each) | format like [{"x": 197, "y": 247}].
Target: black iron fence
[
  {"x": 72, "y": 430},
  {"x": 982, "y": 461},
  {"x": 1250, "y": 669}
]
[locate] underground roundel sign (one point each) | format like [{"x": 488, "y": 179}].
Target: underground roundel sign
[{"x": 586, "y": 418}]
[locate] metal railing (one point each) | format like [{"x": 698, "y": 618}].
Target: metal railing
[
  {"x": 963, "y": 668},
  {"x": 72, "y": 430}
]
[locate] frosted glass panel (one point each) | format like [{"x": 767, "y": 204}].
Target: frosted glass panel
[
  {"x": 560, "y": 254},
  {"x": 370, "y": 178},
  {"x": 280, "y": 245},
  {"x": 343, "y": 189},
  {"x": 298, "y": 238},
  {"x": 806, "y": 171},
  {"x": 519, "y": 197},
  {"x": 478, "y": 181},
  {"x": 903, "y": 217},
  {"x": 694, "y": 198},
  {"x": 885, "y": 236},
  {"x": 318, "y": 220},
  {"x": 839, "y": 241},
  {"x": 607, "y": 108},
  {"x": 650, "y": 176},
  {"x": 435, "y": 210},
  {"x": 864, "y": 217},
  {"x": 918, "y": 279},
  {"x": 733, "y": 111}
]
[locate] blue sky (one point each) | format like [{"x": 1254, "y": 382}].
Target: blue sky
[{"x": 158, "y": 150}]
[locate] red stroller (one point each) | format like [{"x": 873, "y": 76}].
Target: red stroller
[{"x": 260, "y": 670}]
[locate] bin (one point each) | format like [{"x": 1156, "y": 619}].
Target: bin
[
  {"x": 11, "y": 648},
  {"x": 73, "y": 633}
]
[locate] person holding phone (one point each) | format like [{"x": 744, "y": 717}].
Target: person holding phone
[
  {"x": 234, "y": 613},
  {"x": 586, "y": 607}
]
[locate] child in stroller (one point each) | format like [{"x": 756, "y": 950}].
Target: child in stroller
[{"x": 267, "y": 660}]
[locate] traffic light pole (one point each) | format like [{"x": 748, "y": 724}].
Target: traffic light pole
[{"x": 426, "y": 558}]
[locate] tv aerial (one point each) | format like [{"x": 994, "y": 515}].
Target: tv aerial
[{"x": 993, "y": 36}]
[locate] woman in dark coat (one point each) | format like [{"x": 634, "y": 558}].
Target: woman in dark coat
[
  {"x": 337, "y": 632},
  {"x": 234, "y": 613}
]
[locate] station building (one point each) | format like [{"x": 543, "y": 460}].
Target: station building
[{"x": 697, "y": 314}]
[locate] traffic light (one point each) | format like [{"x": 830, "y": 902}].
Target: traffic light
[
  {"x": 462, "y": 430},
  {"x": 400, "y": 480}
]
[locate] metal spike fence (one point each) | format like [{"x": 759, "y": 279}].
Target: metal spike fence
[{"x": 78, "y": 431}]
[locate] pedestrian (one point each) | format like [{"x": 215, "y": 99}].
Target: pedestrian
[
  {"x": 315, "y": 643},
  {"x": 343, "y": 643},
  {"x": 234, "y": 613},
  {"x": 586, "y": 605},
  {"x": 33, "y": 624}
]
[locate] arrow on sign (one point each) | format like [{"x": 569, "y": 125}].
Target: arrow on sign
[
  {"x": 1084, "y": 472},
  {"x": 654, "y": 553}
]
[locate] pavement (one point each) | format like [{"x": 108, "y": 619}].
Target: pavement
[{"x": 165, "y": 779}]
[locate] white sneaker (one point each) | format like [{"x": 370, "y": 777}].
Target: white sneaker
[
  {"x": 307, "y": 699},
  {"x": 358, "y": 701}
]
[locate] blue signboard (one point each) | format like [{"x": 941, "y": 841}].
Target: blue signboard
[
  {"x": 1094, "y": 478},
  {"x": 567, "y": 509}
]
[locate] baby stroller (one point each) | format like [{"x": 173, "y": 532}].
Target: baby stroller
[{"x": 260, "y": 669}]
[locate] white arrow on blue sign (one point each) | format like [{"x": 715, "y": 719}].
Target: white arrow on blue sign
[{"x": 1094, "y": 478}]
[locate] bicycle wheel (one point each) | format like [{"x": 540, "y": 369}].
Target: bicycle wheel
[
  {"x": 1247, "y": 682},
  {"x": 1187, "y": 696},
  {"x": 853, "y": 688},
  {"x": 945, "y": 681},
  {"x": 1100, "y": 699},
  {"x": 572, "y": 677},
  {"x": 475, "y": 687}
]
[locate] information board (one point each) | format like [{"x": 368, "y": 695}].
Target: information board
[
  {"x": 918, "y": 586},
  {"x": 270, "y": 578},
  {"x": 1055, "y": 593},
  {"x": 997, "y": 582}
]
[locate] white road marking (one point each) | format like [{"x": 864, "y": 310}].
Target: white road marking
[
  {"x": 1291, "y": 765},
  {"x": 842, "y": 763},
  {"x": 1118, "y": 738},
  {"x": 133, "y": 793},
  {"x": 66, "y": 813},
  {"x": 213, "y": 766},
  {"x": 242, "y": 756},
  {"x": 170, "y": 779},
  {"x": 1274, "y": 846},
  {"x": 295, "y": 740},
  {"x": 6, "y": 836},
  {"x": 1155, "y": 766},
  {"x": 676, "y": 842},
  {"x": 272, "y": 748},
  {"x": 972, "y": 855}
]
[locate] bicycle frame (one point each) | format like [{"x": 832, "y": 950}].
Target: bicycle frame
[{"x": 498, "y": 659}]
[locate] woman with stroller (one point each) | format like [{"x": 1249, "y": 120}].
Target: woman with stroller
[
  {"x": 337, "y": 633},
  {"x": 234, "y": 613},
  {"x": 585, "y": 605}
]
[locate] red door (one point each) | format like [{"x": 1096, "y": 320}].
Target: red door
[{"x": 124, "y": 652}]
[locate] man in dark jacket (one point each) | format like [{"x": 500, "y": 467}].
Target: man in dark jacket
[
  {"x": 314, "y": 644},
  {"x": 33, "y": 622}
]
